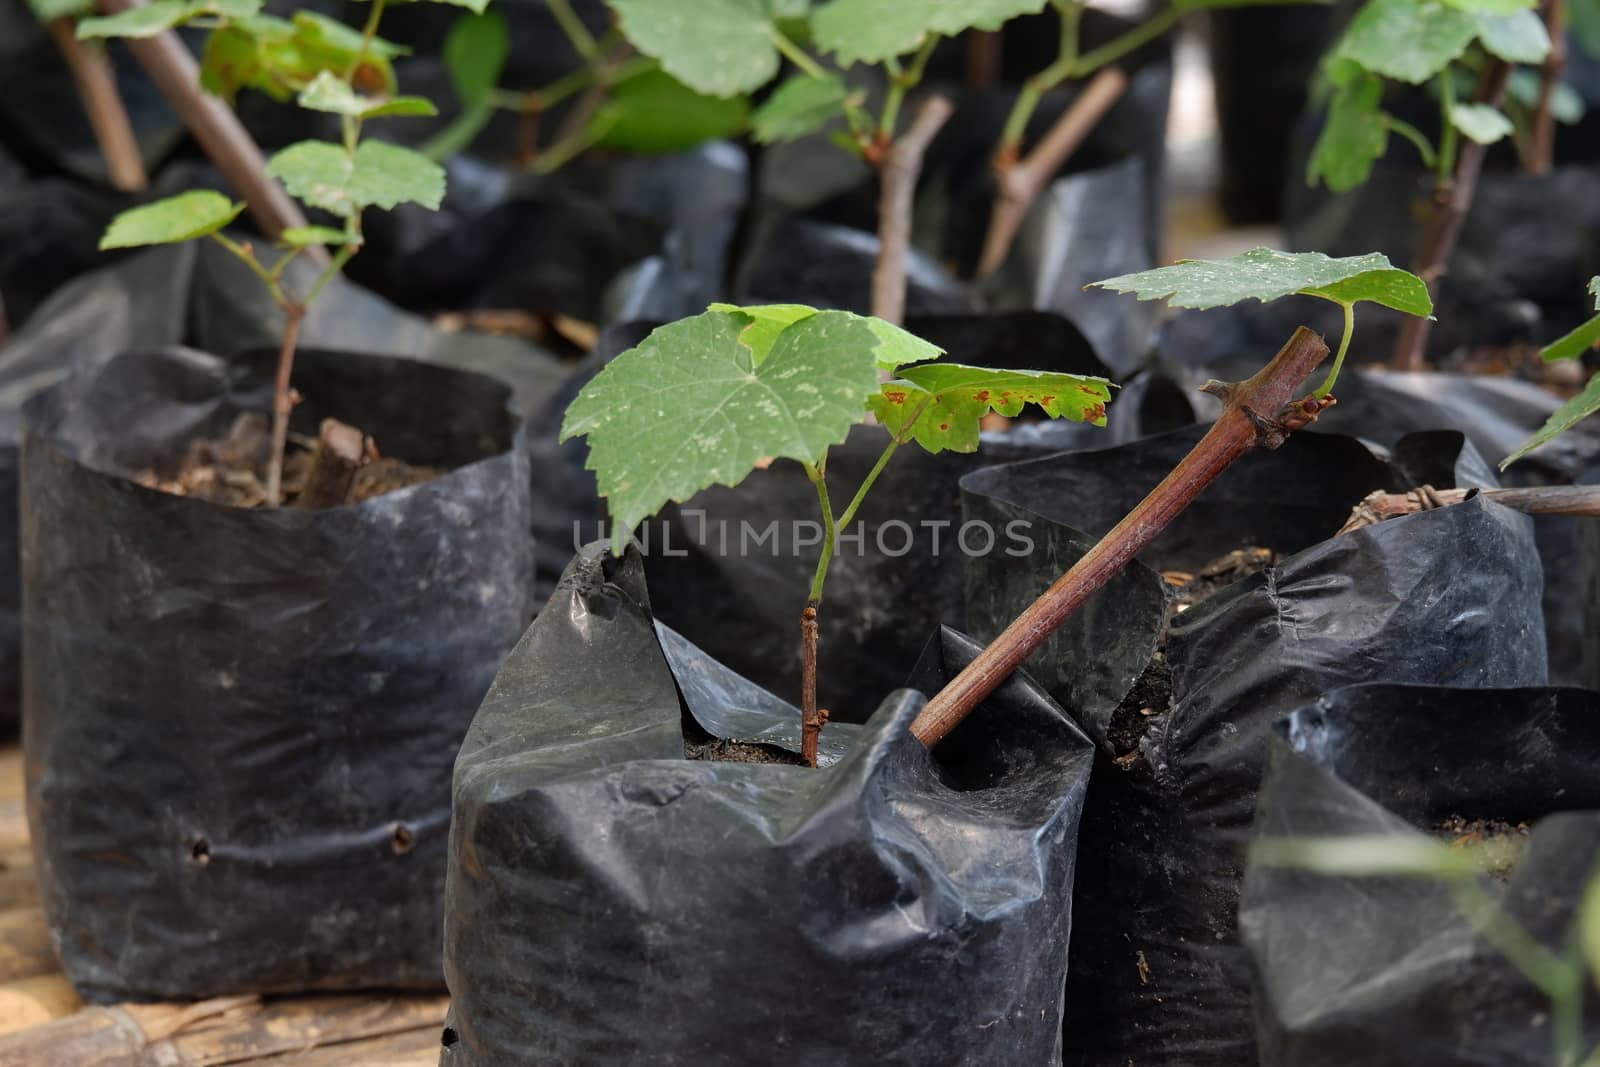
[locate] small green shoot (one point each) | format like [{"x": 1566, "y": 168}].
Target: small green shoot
[
  {"x": 327, "y": 67},
  {"x": 1265, "y": 274}
]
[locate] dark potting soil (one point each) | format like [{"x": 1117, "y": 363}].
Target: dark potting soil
[
  {"x": 1150, "y": 699},
  {"x": 232, "y": 470},
  {"x": 1501, "y": 843},
  {"x": 721, "y": 750}
]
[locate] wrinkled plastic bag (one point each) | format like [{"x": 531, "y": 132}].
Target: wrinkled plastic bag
[
  {"x": 239, "y": 723},
  {"x": 1388, "y": 971},
  {"x": 1448, "y": 596},
  {"x": 611, "y": 902}
]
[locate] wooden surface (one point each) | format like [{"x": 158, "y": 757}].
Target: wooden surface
[{"x": 43, "y": 1023}]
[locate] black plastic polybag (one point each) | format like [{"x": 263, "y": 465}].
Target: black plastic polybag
[
  {"x": 611, "y": 902},
  {"x": 1388, "y": 971},
  {"x": 1447, "y": 596},
  {"x": 239, "y": 724}
]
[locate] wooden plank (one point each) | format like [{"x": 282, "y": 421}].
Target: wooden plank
[
  {"x": 228, "y": 1032},
  {"x": 18, "y": 889},
  {"x": 12, "y": 782},
  {"x": 414, "y": 1048},
  {"x": 34, "y": 1001},
  {"x": 13, "y": 825}
]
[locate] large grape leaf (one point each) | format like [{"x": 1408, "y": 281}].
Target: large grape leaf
[
  {"x": 690, "y": 407},
  {"x": 1494, "y": 7},
  {"x": 1579, "y": 341},
  {"x": 942, "y": 405},
  {"x": 177, "y": 218},
  {"x": 382, "y": 175},
  {"x": 1265, "y": 274},
  {"x": 1411, "y": 40},
  {"x": 158, "y": 16},
  {"x": 1563, "y": 418},
  {"x": 801, "y": 105},
  {"x": 1354, "y": 135},
  {"x": 721, "y": 47},
  {"x": 1516, "y": 37},
  {"x": 654, "y": 112},
  {"x": 871, "y": 31}
]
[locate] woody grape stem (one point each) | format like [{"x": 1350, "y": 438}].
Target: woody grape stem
[
  {"x": 901, "y": 166},
  {"x": 1257, "y": 413},
  {"x": 1452, "y": 198}
]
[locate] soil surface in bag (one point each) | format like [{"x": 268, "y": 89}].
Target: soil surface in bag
[
  {"x": 730, "y": 568},
  {"x": 239, "y": 724},
  {"x": 612, "y": 902},
  {"x": 1387, "y": 971},
  {"x": 1448, "y": 596},
  {"x": 199, "y": 294},
  {"x": 1496, "y": 413}
]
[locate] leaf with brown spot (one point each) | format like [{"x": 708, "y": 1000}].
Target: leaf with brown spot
[{"x": 941, "y": 406}]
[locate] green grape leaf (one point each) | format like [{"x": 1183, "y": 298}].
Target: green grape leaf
[
  {"x": 477, "y": 7},
  {"x": 1482, "y": 123},
  {"x": 941, "y": 405},
  {"x": 305, "y": 236},
  {"x": 1410, "y": 40},
  {"x": 280, "y": 57},
  {"x": 1516, "y": 37},
  {"x": 1583, "y": 21},
  {"x": 689, "y": 408},
  {"x": 474, "y": 53},
  {"x": 381, "y": 175},
  {"x": 328, "y": 92},
  {"x": 891, "y": 346},
  {"x": 1494, "y": 7},
  {"x": 177, "y": 218},
  {"x": 1579, "y": 341},
  {"x": 1566, "y": 105},
  {"x": 1353, "y": 137},
  {"x": 720, "y": 47},
  {"x": 871, "y": 31},
  {"x": 1264, "y": 274},
  {"x": 158, "y": 16},
  {"x": 50, "y": 10},
  {"x": 1563, "y": 418},
  {"x": 799, "y": 106},
  {"x": 654, "y": 112}
]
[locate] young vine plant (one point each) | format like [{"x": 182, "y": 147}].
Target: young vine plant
[
  {"x": 325, "y": 66},
  {"x": 617, "y": 98},
  {"x": 708, "y": 399},
  {"x": 1445, "y": 43},
  {"x": 1265, "y": 274}
]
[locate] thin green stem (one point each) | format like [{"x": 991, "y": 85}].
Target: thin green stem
[
  {"x": 866, "y": 484},
  {"x": 368, "y": 32},
  {"x": 1344, "y": 346},
  {"x": 797, "y": 55},
  {"x": 1415, "y": 136},
  {"x": 819, "y": 479},
  {"x": 1445, "y": 163},
  {"x": 248, "y": 258},
  {"x": 582, "y": 40},
  {"x": 567, "y": 148},
  {"x": 1549, "y": 972},
  {"x": 1069, "y": 64},
  {"x": 902, "y": 82},
  {"x": 340, "y": 258},
  {"x": 276, "y": 272}
]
